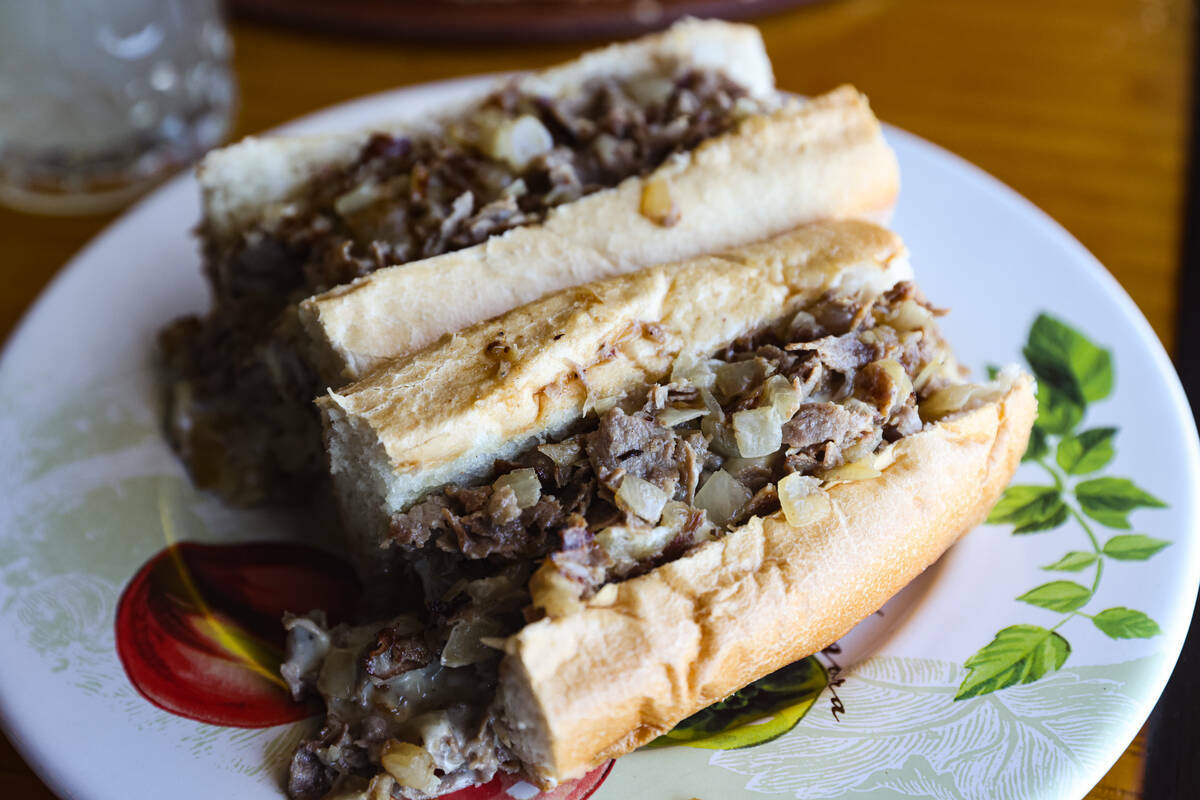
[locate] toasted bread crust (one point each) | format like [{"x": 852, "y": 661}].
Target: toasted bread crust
[
  {"x": 446, "y": 412},
  {"x": 246, "y": 182},
  {"x": 594, "y": 683},
  {"x": 824, "y": 159},
  {"x": 601, "y": 682}
]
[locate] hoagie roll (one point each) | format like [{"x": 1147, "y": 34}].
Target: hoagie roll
[
  {"x": 329, "y": 254},
  {"x": 627, "y": 500}
]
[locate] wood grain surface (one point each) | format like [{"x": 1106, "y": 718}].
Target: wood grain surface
[{"x": 1081, "y": 105}]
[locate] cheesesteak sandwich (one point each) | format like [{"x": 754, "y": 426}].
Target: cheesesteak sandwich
[
  {"x": 634, "y": 155},
  {"x": 625, "y": 501}
]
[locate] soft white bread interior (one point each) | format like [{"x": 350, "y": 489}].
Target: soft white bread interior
[
  {"x": 445, "y": 413},
  {"x": 807, "y": 161},
  {"x": 599, "y": 682},
  {"x": 250, "y": 181}
]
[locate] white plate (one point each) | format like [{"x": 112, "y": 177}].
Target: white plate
[{"x": 89, "y": 487}]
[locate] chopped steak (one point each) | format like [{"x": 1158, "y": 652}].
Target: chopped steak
[
  {"x": 479, "y": 523},
  {"x": 819, "y": 423},
  {"x": 844, "y": 353},
  {"x": 634, "y": 445},
  {"x": 618, "y": 497},
  {"x": 309, "y": 777},
  {"x": 241, "y": 415},
  {"x": 394, "y": 651}
]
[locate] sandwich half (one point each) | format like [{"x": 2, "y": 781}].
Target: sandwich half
[
  {"x": 621, "y": 503},
  {"x": 327, "y": 255}
]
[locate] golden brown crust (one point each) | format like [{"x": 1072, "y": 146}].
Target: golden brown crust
[
  {"x": 447, "y": 412},
  {"x": 823, "y": 159},
  {"x": 598, "y": 683}
]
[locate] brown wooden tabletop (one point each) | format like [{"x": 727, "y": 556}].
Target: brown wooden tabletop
[{"x": 1081, "y": 105}]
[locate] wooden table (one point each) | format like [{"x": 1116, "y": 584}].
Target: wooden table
[{"x": 1081, "y": 105}]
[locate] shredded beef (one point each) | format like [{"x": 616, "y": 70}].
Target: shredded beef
[
  {"x": 625, "y": 444},
  {"x": 394, "y": 652},
  {"x": 310, "y": 777},
  {"x": 243, "y": 423},
  {"x": 477, "y": 548},
  {"x": 904, "y": 422},
  {"x": 817, "y": 423},
  {"x": 764, "y": 503},
  {"x": 579, "y": 558},
  {"x": 479, "y": 523},
  {"x": 844, "y": 353},
  {"x": 752, "y": 475}
]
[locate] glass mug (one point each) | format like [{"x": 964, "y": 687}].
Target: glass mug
[{"x": 99, "y": 99}]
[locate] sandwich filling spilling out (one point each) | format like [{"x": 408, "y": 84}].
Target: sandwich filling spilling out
[
  {"x": 759, "y": 428},
  {"x": 240, "y": 407}
]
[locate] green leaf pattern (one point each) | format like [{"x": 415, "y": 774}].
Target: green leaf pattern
[
  {"x": 1073, "y": 561},
  {"x": 1018, "y": 654},
  {"x": 1057, "y": 596},
  {"x": 1087, "y": 452},
  {"x": 1126, "y": 623},
  {"x": 1072, "y": 373}
]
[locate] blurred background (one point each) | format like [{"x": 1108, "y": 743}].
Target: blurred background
[{"x": 1083, "y": 106}]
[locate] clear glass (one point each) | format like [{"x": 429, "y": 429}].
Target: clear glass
[{"x": 99, "y": 99}]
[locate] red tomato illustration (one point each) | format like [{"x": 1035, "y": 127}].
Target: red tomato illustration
[{"x": 198, "y": 627}]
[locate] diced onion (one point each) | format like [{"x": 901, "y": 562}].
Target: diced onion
[
  {"x": 715, "y": 412},
  {"x": 525, "y": 485},
  {"x": 802, "y": 502},
  {"x": 674, "y": 515},
  {"x": 519, "y": 141},
  {"x": 357, "y": 198},
  {"x": 738, "y": 376},
  {"x": 910, "y": 315},
  {"x": 411, "y": 766},
  {"x": 735, "y": 466},
  {"x": 641, "y": 497},
  {"x": 759, "y": 432},
  {"x": 960, "y": 397},
  {"x": 803, "y": 322},
  {"x": 930, "y": 370},
  {"x": 658, "y": 396},
  {"x": 606, "y": 404},
  {"x": 854, "y": 405},
  {"x": 651, "y": 90},
  {"x": 721, "y": 439},
  {"x": 657, "y": 204},
  {"x": 864, "y": 446},
  {"x": 947, "y": 400},
  {"x": 900, "y": 378},
  {"x": 885, "y": 457},
  {"x": 670, "y": 417},
  {"x": 861, "y": 470},
  {"x": 380, "y": 787},
  {"x": 561, "y": 453},
  {"x": 783, "y": 397},
  {"x": 721, "y": 497},
  {"x": 515, "y": 189},
  {"x": 628, "y": 546},
  {"x": 463, "y": 646},
  {"x": 692, "y": 369},
  {"x": 339, "y": 672}
]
